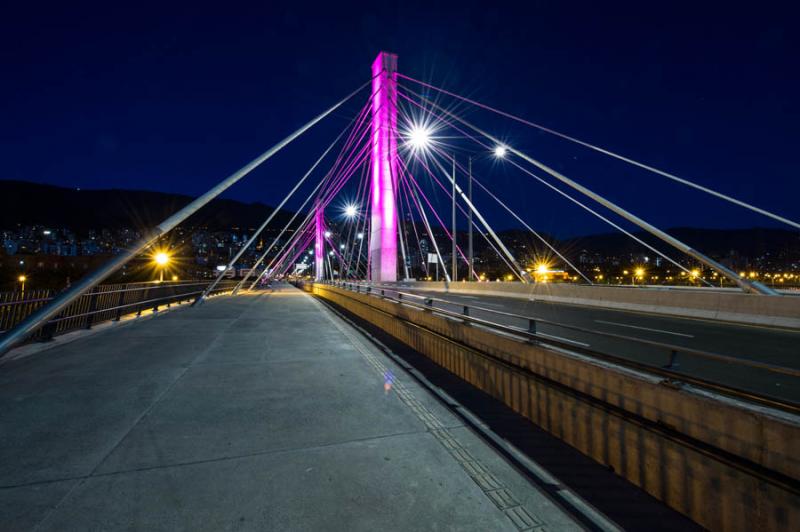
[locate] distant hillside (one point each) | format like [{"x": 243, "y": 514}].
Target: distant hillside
[{"x": 80, "y": 210}]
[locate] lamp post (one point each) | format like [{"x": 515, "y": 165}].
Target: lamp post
[
  {"x": 161, "y": 259},
  {"x": 22, "y": 279},
  {"x": 454, "y": 250}
]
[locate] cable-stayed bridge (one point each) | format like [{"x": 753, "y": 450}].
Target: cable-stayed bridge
[{"x": 254, "y": 406}]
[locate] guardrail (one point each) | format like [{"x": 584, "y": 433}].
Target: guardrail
[
  {"x": 102, "y": 303},
  {"x": 528, "y": 329}
]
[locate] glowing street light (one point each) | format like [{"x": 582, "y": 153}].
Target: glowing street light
[
  {"x": 350, "y": 211},
  {"x": 500, "y": 152},
  {"x": 22, "y": 280},
  {"x": 360, "y": 236},
  {"x": 161, "y": 259},
  {"x": 327, "y": 234},
  {"x": 419, "y": 137}
]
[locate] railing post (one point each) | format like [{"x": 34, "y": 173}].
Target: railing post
[
  {"x": 369, "y": 289},
  {"x": 466, "y": 311},
  {"x": 92, "y": 308},
  {"x": 532, "y": 327},
  {"x": 673, "y": 355},
  {"x": 120, "y": 300}
]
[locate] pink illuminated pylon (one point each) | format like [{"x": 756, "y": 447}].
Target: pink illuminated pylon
[
  {"x": 319, "y": 243},
  {"x": 383, "y": 215}
]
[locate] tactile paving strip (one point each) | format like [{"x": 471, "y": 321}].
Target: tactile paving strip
[{"x": 493, "y": 488}]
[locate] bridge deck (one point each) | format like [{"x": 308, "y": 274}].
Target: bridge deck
[{"x": 257, "y": 412}]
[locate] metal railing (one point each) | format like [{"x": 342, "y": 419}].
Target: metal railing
[
  {"x": 102, "y": 303},
  {"x": 527, "y": 327}
]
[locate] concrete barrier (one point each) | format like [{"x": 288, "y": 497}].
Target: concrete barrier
[
  {"x": 720, "y": 305},
  {"x": 726, "y": 464}
]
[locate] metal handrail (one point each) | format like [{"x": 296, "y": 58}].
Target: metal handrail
[
  {"x": 83, "y": 312},
  {"x": 674, "y": 349}
]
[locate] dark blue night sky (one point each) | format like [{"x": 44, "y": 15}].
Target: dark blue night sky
[{"x": 174, "y": 98}]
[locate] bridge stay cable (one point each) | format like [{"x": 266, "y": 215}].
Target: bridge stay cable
[
  {"x": 38, "y": 318},
  {"x": 610, "y": 153},
  {"x": 266, "y": 222},
  {"x": 570, "y": 198},
  {"x": 744, "y": 284},
  {"x": 342, "y": 160},
  {"x": 528, "y": 227},
  {"x": 326, "y": 195}
]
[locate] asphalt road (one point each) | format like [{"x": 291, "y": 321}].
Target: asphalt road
[{"x": 780, "y": 347}]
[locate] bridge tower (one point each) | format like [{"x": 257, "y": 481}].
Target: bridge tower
[
  {"x": 319, "y": 243},
  {"x": 383, "y": 208}
]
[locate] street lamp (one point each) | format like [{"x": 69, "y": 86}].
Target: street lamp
[
  {"x": 22, "y": 280},
  {"x": 350, "y": 211},
  {"x": 161, "y": 259},
  {"x": 500, "y": 151},
  {"x": 418, "y": 137}
]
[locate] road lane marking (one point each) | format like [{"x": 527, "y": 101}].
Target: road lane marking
[{"x": 645, "y": 328}]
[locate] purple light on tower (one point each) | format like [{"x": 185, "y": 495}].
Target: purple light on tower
[
  {"x": 319, "y": 246},
  {"x": 383, "y": 215}
]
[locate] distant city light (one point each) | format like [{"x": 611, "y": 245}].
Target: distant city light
[
  {"x": 221, "y": 268},
  {"x": 46, "y": 232},
  {"x": 639, "y": 272},
  {"x": 542, "y": 268},
  {"x": 22, "y": 278},
  {"x": 327, "y": 234},
  {"x": 360, "y": 236},
  {"x": 341, "y": 246},
  {"x": 500, "y": 152},
  {"x": 161, "y": 258},
  {"x": 350, "y": 211}
]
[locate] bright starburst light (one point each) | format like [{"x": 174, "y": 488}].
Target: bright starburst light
[
  {"x": 350, "y": 210},
  {"x": 500, "y": 152},
  {"x": 419, "y": 137}
]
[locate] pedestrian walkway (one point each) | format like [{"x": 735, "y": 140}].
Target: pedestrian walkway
[{"x": 259, "y": 412}]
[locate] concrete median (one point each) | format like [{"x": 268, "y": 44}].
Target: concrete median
[{"x": 728, "y": 306}]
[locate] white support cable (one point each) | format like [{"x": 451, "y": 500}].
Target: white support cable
[
  {"x": 340, "y": 179},
  {"x": 744, "y": 284},
  {"x": 274, "y": 212},
  {"x": 447, "y": 194},
  {"x": 427, "y": 226},
  {"x": 582, "y": 205},
  {"x": 418, "y": 189},
  {"x": 404, "y": 195},
  {"x": 277, "y": 238},
  {"x": 30, "y": 324},
  {"x": 617, "y": 156},
  {"x": 518, "y": 270},
  {"x": 529, "y": 228}
]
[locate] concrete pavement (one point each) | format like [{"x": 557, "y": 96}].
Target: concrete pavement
[{"x": 250, "y": 413}]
